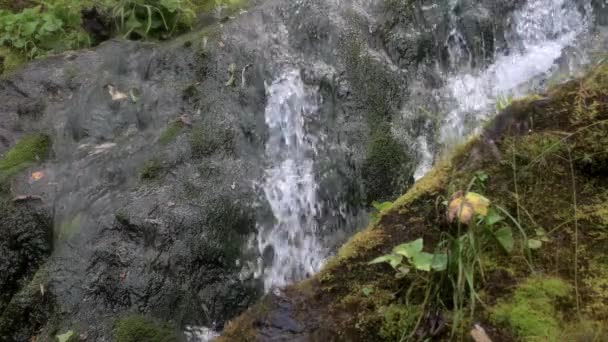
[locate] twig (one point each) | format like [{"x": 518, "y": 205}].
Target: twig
[{"x": 574, "y": 203}]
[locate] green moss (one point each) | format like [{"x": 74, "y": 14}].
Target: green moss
[
  {"x": 171, "y": 132},
  {"x": 137, "y": 328},
  {"x": 398, "y": 321},
  {"x": 153, "y": 169},
  {"x": 69, "y": 228},
  {"x": 24, "y": 153},
  {"x": 596, "y": 280},
  {"x": 375, "y": 87},
  {"x": 122, "y": 217},
  {"x": 385, "y": 169},
  {"x": 208, "y": 139},
  {"x": 532, "y": 312},
  {"x": 10, "y": 60}
]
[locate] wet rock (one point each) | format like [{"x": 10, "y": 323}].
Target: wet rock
[{"x": 25, "y": 243}]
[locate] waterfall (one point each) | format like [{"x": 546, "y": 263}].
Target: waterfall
[
  {"x": 290, "y": 245},
  {"x": 541, "y": 31}
]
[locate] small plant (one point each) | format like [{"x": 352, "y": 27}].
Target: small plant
[
  {"x": 408, "y": 255},
  {"x": 378, "y": 208},
  {"x": 153, "y": 18},
  {"x": 502, "y": 102}
]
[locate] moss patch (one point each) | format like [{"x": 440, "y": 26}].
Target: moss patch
[
  {"x": 153, "y": 169},
  {"x": 171, "y": 132},
  {"x": 137, "y": 328},
  {"x": 385, "y": 169},
  {"x": 209, "y": 138},
  {"x": 10, "y": 60},
  {"x": 26, "y": 151},
  {"x": 532, "y": 312},
  {"x": 398, "y": 320}
]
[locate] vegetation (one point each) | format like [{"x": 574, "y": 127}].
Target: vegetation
[
  {"x": 25, "y": 152},
  {"x": 152, "y": 18},
  {"x": 532, "y": 311},
  {"x": 137, "y": 328},
  {"x": 385, "y": 158},
  {"x": 31, "y": 29},
  {"x": 48, "y": 27},
  {"x": 171, "y": 132},
  {"x": 153, "y": 169}
]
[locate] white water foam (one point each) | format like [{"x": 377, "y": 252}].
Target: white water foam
[{"x": 290, "y": 186}]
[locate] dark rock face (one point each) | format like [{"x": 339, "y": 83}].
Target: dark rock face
[{"x": 26, "y": 242}]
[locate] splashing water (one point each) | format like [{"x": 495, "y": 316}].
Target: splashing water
[
  {"x": 290, "y": 245},
  {"x": 542, "y": 29}
]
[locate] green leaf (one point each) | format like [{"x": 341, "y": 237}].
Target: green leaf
[
  {"x": 504, "y": 236},
  {"x": 65, "y": 337},
  {"x": 440, "y": 262},
  {"x": 409, "y": 249},
  {"x": 382, "y": 206},
  {"x": 492, "y": 218},
  {"x": 534, "y": 244},
  {"x": 422, "y": 261},
  {"x": 367, "y": 291},
  {"x": 392, "y": 259}
]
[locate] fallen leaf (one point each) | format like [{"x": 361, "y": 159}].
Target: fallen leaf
[
  {"x": 38, "y": 175},
  {"x": 479, "y": 334},
  {"x": 115, "y": 94}
]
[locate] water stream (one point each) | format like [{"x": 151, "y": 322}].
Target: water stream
[
  {"x": 290, "y": 245},
  {"x": 541, "y": 30}
]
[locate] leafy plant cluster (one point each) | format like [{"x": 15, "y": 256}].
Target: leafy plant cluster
[
  {"x": 152, "y": 18},
  {"x": 54, "y": 26},
  {"x": 453, "y": 272},
  {"x": 48, "y": 27}
]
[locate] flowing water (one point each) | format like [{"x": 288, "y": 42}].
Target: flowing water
[
  {"x": 541, "y": 30},
  {"x": 290, "y": 245}
]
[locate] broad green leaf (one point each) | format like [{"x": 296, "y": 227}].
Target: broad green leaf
[
  {"x": 422, "y": 261},
  {"x": 534, "y": 244},
  {"x": 65, "y": 337},
  {"x": 409, "y": 249},
  {"x": 492, "y": 218},
  {"x": 392, "y": 259},
  {"x": 440, "y": 262},
  {"x": 382, "y": 206},
  {"x": 504, "y": 236}
]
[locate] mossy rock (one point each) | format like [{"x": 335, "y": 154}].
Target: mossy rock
[
  {"x": 171, "y": 132},
  {"x": 137, "y": 328},
  {"x": 10, "y": 60},
  {"x": 209, "y": 138},
  {"x": 385, "y": 169},
  {"x": 152, "y": 169},
  {"x": 532, "y": 312},
  {"x": 27, "y": 151}
]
